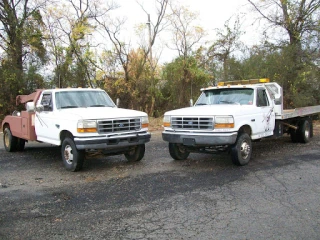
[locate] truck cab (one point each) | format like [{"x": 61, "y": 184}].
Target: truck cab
[{"x": 77, "y": 119}]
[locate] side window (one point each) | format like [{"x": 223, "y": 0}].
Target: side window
[
  {"x": 46, "y": 102},
  {"x": 262, "y": 98}
]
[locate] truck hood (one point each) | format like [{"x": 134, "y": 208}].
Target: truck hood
[
  {"x": 101, "y": 113},
  {"x": 210, "y": 110}
]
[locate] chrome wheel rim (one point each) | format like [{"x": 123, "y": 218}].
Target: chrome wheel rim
[
  {"x": 68, "y": 155},
  {"x": 245, "y": 149},
  {"x": 181, "y": 149},
  {"x": 307, "y": 131},
  {"x": 6, "y": 139}
]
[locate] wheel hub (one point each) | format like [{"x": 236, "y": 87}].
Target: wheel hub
[
  {"x": 6, "y": 139},
  {"x": 245, "y": 149},
  {"x": 307, "y": 132},
  {"x": 68, "y": 156}
]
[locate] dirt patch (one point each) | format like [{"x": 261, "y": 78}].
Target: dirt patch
[
  {"x": 155, "y": 124},
  {"x": 316, "y": 127}
]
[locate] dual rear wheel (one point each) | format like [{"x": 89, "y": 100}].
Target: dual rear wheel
[{"x": 303, "y": 133}]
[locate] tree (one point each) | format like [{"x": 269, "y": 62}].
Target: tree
[
  {"x": 227, "y": 43},
  {"x": 154, "y": 30},
  {"x": 296, "y": 17},
  {"x": 185, "y": 36},
  {"x": 113, "y": 27},
  {"x": 21, "y": 28},
  {"x": 300, "y": 20},
  {"x": 70, "y": 26},
  {"x": 173, "y": 73}
]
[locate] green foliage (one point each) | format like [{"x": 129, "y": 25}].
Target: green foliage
[
  {"x": 67, "y": 31},
  {"x": 8, "y": 81},
  {"x": 33, "y": 80},
  {"x": 32, "y": 36},
  {"x": 299, "y": 81},
  {"x": 183, "y": 79},
  {"x": 21, "y": 28}
]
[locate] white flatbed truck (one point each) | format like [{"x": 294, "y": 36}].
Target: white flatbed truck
[{"x": 232, "y": 115}]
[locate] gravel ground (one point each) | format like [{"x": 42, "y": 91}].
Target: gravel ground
[{"x": 276, "y": 196}]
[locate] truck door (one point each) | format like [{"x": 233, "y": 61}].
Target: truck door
[
  {"x": 265, "y": 119},
  {"x": 45, "y": 120}
]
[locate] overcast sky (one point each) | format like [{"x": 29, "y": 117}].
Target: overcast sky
[{"x": 212, "y": 15}]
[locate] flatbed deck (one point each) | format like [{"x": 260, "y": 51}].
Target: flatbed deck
[{"x": 299, "y": 112}]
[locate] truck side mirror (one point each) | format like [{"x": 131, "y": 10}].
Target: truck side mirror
[
  {"x": 191, "y": 102},
  {"x": 39, "y": 108},
  {"x": 277, "y": 99},
  {"x": 118, "y": 102},
  {"x": 47, "y": 106},
  {"x": 30, "y": 107}
]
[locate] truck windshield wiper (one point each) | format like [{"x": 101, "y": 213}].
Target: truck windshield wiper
[
  {"x": 198, "y": 104},
  {"x": 69, "y": 107},
  {"x": 98, "y": 105},
  {"x": 229, "y": 102}
]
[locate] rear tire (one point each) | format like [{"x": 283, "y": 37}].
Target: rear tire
[
  {"x": 178, "y": 152},
  {"x": 136, "y": 154},
  {"x": 20, "y": 144},
  {"x": 241, "y": 151},
  {"x": 293, "y": 135},
  {"x": 9, "y": 141},
  {"x": 72, "y": 157},
  {"x": 304, "y": 131}
]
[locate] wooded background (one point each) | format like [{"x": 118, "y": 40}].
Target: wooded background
[{"x": 48, "y": 44}]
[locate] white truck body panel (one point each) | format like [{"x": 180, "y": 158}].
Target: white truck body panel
[
  {"x": 223, "y": 114},
  {"x": 48, "y": 125},
  {"x": 77, "y": 119}
]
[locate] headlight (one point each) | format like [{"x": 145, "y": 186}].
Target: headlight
[
  {"x": 166, "y": 121},
  {"x": 87, "y": 126},
  {"x": 144, "y": 122},
  {"x": 224, "y": 122}
]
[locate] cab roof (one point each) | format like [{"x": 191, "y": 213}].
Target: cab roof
[
  {"x": 251, "y": 83},
  {"x": 72, "y": 89}
]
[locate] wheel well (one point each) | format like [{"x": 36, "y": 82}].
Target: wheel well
[
  {"x": 65, "y": 134},
  {"x": 245, "y": 129},
  {"x": 5, "y": 125}
]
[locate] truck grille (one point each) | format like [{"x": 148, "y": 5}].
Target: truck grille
[
  {"x": 119, "y": 125},
  {"x": 194, "y": 123}
]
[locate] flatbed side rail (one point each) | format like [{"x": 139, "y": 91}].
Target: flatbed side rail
[{"x": 299, "y": 112}]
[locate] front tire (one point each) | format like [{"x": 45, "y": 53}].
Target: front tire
[
  {"x": 9, "y": 141},
  {"x": 241, "y": 151},
  {"x": 178, "y": 152},
  {"x": 136, "y": 154},
  {"x": 72, "y": 157}
]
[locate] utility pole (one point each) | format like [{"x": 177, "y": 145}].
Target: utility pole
[
  {"x": 151, "y": 67},
  {"x": 150, "y": 40}
]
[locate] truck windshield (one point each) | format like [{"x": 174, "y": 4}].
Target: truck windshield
[
  {"x": 75, "y": 99},
  {"x": 226, "y": 96}
]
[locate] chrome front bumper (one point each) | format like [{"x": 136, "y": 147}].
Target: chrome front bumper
[
  {"x": 203, "y": 139},
  {"x": 113, "y": 141}
]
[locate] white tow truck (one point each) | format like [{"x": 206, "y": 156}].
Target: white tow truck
[
  {"x": 231, "y": 115},
  {"x": 77, "y": 119}
]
